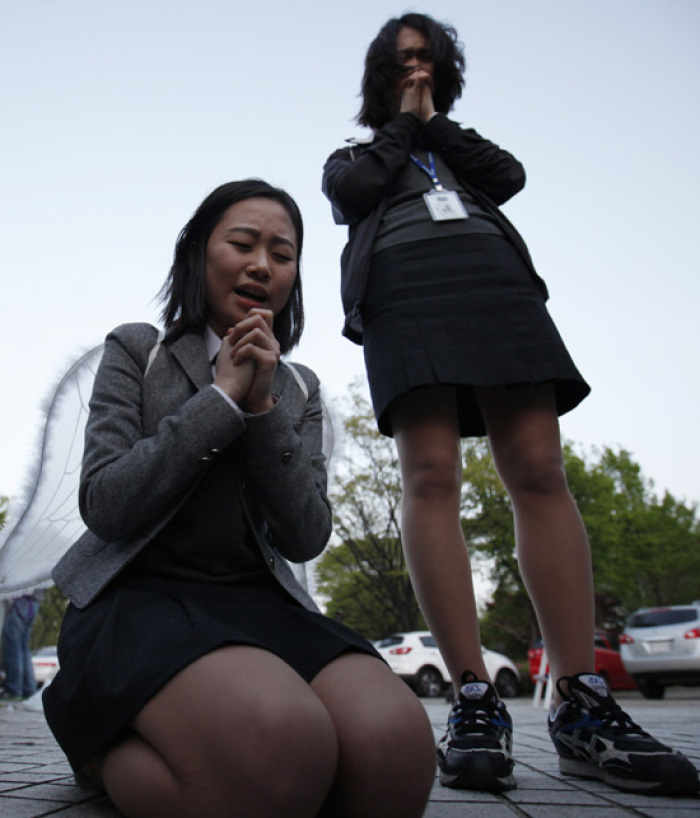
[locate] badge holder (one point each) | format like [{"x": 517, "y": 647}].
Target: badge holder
[{"x": 445, "y": 205}]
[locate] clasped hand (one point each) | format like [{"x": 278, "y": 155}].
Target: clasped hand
[
  {"x": 416, "y": 95},
  {"x": 247, "y": 362}
]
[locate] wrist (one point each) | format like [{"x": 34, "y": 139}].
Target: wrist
[{"x": 259, "y": 407}]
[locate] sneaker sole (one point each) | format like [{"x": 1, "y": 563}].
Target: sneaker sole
[
  {"x": 679, "y": 785},
  {"x": 469, "y": 781}
]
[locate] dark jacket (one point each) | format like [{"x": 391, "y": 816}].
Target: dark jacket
[
  {"x": 357, "y": 180},
  {"x": 151, "y": 438}
]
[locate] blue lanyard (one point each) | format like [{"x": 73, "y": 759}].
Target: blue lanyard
[{"x": 430, "y": 170}]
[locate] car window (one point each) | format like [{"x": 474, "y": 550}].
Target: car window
[
  {"x": 389, "y": 641},
  {"x": 650, "y": 619},
  {"x": 428, "y": 642}
]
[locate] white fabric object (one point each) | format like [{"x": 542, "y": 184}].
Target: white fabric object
[{"x": 49, "y": 521}]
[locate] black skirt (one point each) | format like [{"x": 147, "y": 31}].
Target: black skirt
[
  {"x": 118, "y": 652},
  {"x": 461, "y": 311}
]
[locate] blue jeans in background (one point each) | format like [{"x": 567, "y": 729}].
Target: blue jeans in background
[{"x": 16, "y": 658}]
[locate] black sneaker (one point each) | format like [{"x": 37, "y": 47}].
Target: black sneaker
[
  {"x": 476, "y": 751},
  {"x": 595, "y": 738}
]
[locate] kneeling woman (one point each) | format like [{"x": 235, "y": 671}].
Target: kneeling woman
[{"x": 197, "y": 676}]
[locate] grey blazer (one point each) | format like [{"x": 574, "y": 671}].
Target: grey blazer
[{"x": 150, "y": 439}]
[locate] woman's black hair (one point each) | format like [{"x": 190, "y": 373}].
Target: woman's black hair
[
  {"x": 382, "y": 68},
  {"x": 183, "y": 294}
]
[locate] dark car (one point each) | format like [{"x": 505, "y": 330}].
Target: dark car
[{"x": 608, "y": 662}]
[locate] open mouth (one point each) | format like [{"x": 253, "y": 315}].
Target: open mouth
[{"x": 251, "y": 295}]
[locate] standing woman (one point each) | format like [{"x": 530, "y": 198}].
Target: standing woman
[
  {"x": 440, "y": 288},
  {"x": 197, "y": 676}
]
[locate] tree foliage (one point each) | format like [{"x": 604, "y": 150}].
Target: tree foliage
[
  {"x": 363, "y": 572},
  {"x": 47, "y": 624},
  {"x": 645, "y": 548}
]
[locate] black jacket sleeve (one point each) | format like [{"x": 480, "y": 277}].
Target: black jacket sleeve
[
  {"x": 475, "y": 160},
  {"x": 355, "y": 180}
]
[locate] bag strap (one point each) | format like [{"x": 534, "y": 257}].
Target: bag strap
[
  {"x": 152, "y": 354},
  {"x": 297, "y": 377}
]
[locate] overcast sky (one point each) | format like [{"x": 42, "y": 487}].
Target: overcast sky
[{"x": 118, "y": 118}]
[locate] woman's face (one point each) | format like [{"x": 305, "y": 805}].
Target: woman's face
[
  {"x": 251, "y": 261},
  {"x": 414, "y": 53}
]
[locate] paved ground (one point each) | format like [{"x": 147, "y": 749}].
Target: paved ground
[{"x": 35, "y": 778}]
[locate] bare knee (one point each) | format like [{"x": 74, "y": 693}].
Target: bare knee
[
  {"x": 535, "y": 472},
  {"x": 387, "y": 748},
  {"x": 432, "y": 474}
]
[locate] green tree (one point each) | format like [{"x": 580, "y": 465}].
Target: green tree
[
  {"x": 645, "y": 550},
  {"x": 47, "y": 624},
  {"x": 363, "y": 573}
]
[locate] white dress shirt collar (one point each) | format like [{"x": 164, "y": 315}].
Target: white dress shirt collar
[{"x": 212, "y": 341}]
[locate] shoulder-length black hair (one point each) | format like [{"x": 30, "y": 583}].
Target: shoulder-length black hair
[
  {"x": 183, "y": 294},
  {"x": 382, "y": 68}
]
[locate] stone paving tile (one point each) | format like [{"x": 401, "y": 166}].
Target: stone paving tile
[
  {"x": 66, "y": 792},
  {"x": 101, "y": 808},
  {"x": 36, "y": 781},
  {"x": 457, "y": 810},
  {"x": 555, "y": 811}
]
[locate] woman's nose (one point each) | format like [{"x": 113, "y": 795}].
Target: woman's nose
[{"x": 259, "y": 267}]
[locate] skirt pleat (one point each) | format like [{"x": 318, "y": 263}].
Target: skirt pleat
[{"x": 462, "y": 311}]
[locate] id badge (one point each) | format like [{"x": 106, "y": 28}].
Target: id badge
[{"x": 445, "y": 205}]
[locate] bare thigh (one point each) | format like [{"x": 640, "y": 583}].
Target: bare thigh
[
  {"x": 426, "y": 431},
  {"x": 523, "y": 431},
  {"x": 237, "y": 732}
]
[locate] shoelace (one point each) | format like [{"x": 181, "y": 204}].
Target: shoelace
[
  {"x": 478, "y": 715},
  {"x": 614, "y": 717},
  {"x": 607, "y": 711}
]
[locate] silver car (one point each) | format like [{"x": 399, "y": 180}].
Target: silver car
[{"x": 661, "y": 647}]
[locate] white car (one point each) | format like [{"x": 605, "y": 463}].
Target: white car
[
  {"x": 661, "y": 647},
  {"x": 415, "y": 657},
  {"x": 45, "y": 663}
]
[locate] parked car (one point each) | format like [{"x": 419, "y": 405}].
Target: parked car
[
  {"x": 45, "y": 662},
  {"x": 415, "y": 657},
  {"x": 661, "y": 647},
  {"x": 608, "y": 662}
]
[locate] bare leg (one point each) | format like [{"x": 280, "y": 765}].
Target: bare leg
[
  {"x": 386, "y": 747},
  {"x": 427, "y": 439},
  {"x": 553, "y": 550},
  {"x": 236, "y": 733}
]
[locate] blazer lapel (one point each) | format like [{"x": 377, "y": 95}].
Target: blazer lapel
[{"x": 191, "y": 353}]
